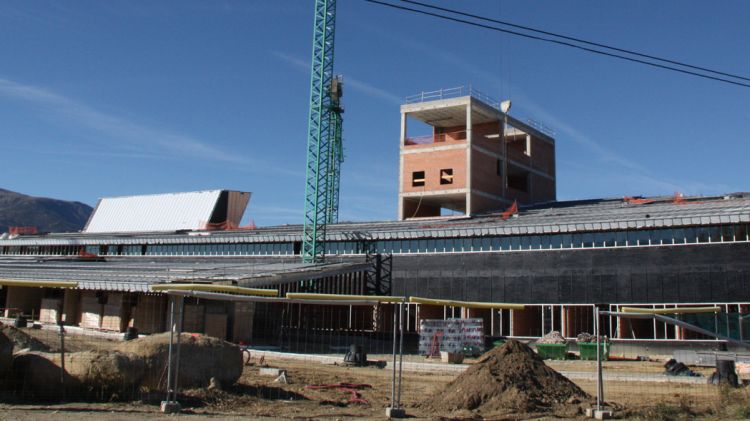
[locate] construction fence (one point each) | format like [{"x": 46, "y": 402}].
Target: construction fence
[
  {"x": 54, "y": 356},
  {"x": 314, "y": 354}
]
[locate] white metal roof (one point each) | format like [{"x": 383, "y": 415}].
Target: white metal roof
[{"x": 154, "y": 212}]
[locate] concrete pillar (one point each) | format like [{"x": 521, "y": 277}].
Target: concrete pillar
[
  {"x": 71, "y": 305},
  {"x": 469, "y": 142},
  {"x": 401, "y": 167}
]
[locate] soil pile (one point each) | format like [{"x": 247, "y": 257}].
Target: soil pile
[
  {"x": 87, "y": 374},
  {"x": 201, "y": 357},
  {"x": 508, "y": 379},
  {"x": 22, "y": 340},
  {"x": 6, "y": 354}
]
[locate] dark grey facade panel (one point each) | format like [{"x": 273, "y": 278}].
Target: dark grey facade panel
[{"x": 685, "y": 274}]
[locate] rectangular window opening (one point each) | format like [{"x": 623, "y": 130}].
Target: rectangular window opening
[
  {"x": 417, "y": 178},
  {"x": 446, "y": 176}
]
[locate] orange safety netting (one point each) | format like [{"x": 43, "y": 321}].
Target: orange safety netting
[
  {"x": 22, "y": 230},
  {"x": 228, "y": 225},
  {"x": 637, "y": 200},
  {"x": 512, "y": 210}
]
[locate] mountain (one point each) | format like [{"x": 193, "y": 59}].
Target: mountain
[{"x": 48, "y": 215}]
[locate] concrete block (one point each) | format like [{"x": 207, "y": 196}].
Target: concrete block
[
  {"x": 270, "y": 371},
  {"x": 599, "y": 414},
  {"x": 395, "y": 412},
  {"x": 602, "y": 414},
  {"x": 170, "y": 407}
]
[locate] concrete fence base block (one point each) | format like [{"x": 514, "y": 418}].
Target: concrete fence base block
[
  {"x": 269, "y": 371},
  {"x": 170, "y": 407},
  {"x": 395, "y": 412},
  {"x": 599, "y": 414}
]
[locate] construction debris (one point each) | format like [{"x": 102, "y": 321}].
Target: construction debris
[
  {"x": 352, "y": 388},
  {"x": 282, "y": 378},
  {"x": 508, "y": 379},
  {"x": 553, "y": 337},
  {"x": 676, "y": 368},
  {"x": 586, "y": 337}
]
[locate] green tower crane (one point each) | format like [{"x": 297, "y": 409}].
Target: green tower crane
[{"x": 324, "y": 145}]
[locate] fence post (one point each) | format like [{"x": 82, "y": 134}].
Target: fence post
[
  {"x": 62, "y": 359},
  {"x": 170, "y": 406},
  {"x": 400, "y": 350},
  {"x": 169, "y": 352},
  {"x": 599, "y": 376},
  {"x": 178, "y": 328},
  {"x": 393, "y": 377},
  {"x": 395, "y": 411}
]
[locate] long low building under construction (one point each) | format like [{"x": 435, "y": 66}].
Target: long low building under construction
[{"x": 503, "y": 242}]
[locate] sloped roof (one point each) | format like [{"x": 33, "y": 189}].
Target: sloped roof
[
  {"x": 137, "y": 276},
  {"x": 154, "y": 212}
]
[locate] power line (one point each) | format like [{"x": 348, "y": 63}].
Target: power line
[
  {"x": 582, "y": 41},
  {"x": 554, "y": 41}
]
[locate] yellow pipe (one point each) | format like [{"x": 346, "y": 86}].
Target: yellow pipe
[
  {"x": 216, "y": 288},
  {"x": 378, "y": 298},
  {"x": 465, "y": 304},
  {"x": 680, "y": 310},
  {"x": 38, "y": 284}
]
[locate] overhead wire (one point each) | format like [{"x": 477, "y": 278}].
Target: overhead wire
[
  {"x": 563, "y": 43},
  {"x": 582, "y": 41}
]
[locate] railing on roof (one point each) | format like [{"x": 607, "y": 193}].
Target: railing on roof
[
  {"x": 541, "y": 127},
  {"x": 460, "y": 91},
  {"x": 436, "y": 138},
  {"x": 456, "y": 92}
]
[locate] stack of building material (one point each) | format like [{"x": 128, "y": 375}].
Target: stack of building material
[
  {"x": 192, "y": 320},
  {"x": 91, "y": 310},
  {"x": 113, "y": 312},
  {"x": 216, "y": 325},
  {"x": 456, "y": 334},
  {"x": 71, "y": 306},
  {"x": 149, "y": 312},
  {"x": 50, "y": 310},
  {"x": 242, "y": 330}
]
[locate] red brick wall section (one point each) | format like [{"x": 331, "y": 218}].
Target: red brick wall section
[
  {"x": 543, "y": 156},
  {"x": 478, "y": 136},
  {"x": 431, "y": 163},
  {"x": 484, "y": 174},
  {"x": 543, "y": 189}
]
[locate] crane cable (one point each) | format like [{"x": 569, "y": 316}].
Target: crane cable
[
  {"x": 564, "y": 43},
  {"x": 582, "y": 41}
]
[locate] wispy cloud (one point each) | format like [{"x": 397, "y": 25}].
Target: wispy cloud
[
  {"x": 349, "y": 82},
  {"x": 130, "y": 135},
  {"x": 621, "y": 169}
]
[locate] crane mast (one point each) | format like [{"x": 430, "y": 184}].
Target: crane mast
[{"x": 324, "y": 144}]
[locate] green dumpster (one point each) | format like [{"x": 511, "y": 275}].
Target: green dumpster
[
  {"x": 588, "y": 350},
  {"x": 552, "y": 351}
]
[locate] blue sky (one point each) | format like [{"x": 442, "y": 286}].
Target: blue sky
[{"x": 124, "y": 97}]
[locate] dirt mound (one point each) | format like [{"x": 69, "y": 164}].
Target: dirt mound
[
  {"x": 508, "y": 379},
  {"x": 201, "y": 357},
  {"x": 6, "y": 354},
  {"x": 87, "y": 374},
  {"x": 22, "y": 340}
]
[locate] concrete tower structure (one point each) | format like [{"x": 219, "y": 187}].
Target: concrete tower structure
[{"x": 454, "y": 157}]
